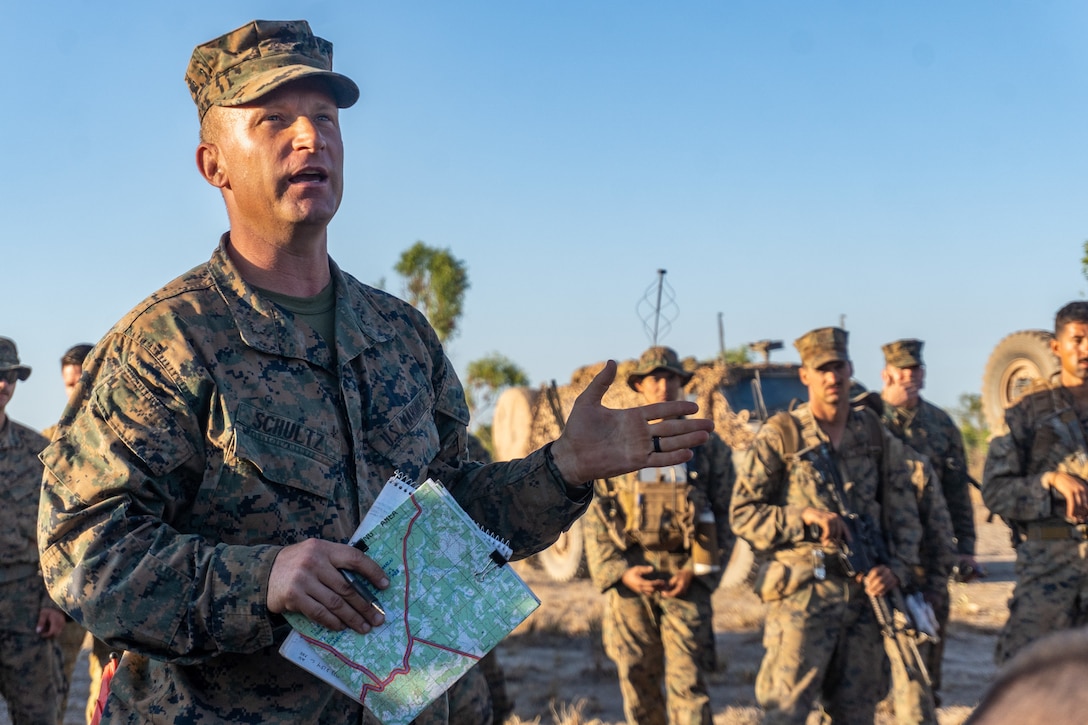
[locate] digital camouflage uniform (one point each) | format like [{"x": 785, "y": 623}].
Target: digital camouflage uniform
[
  {"x": 821, "y": 637},
  {"x": 1051, "y": 570},
  {"x": 30, "y": 666},
  {"x": 212, "y": 429},
  {"x": 930, "y": 431},
  {"x": 656, "y": 640}
]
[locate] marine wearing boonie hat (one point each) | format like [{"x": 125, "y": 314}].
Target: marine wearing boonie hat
[
  {"x": 9, "y": 359},
  {"x": 658, "y": 357},
  {"x": 903, "y": 353},
  {"x": 255, "y": 59},
  {"x": 821, "y": 346}
]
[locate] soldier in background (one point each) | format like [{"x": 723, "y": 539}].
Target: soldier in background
[
  {"x": 31, "y": 676},
  {"x": 642, "y": 551},
  {"x": 930, "y": 431},
  {"x": 822, "y": 641},
  {"x": 1035, "y": 479}
]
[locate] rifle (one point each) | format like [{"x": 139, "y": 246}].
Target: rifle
[{"x": 864, "y": 551}]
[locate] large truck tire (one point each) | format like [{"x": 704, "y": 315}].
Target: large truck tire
[
  {"x": 1015, "y": 362},
  {"x": 564, "y": 560},
  {"x": 512, "y": 423}
]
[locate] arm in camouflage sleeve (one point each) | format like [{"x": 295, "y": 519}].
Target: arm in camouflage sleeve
[
  {"x": 127, "y": 462},
  {"x": 607, "y": 562},
  {"x": 956, "y": 487},
  {"x": 721, "y": 479},
  {"x": 525, "y": 501},
  {"x": 900, "y": 517},
  {"x": 1008, "y": 489},
  {"x": 757, "y": 511},
  {"x": 937, "y": 552}
]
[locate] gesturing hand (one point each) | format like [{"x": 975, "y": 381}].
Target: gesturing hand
[
  {"x": 306, "y": 578},
  {"x": 600, "y": 442}
]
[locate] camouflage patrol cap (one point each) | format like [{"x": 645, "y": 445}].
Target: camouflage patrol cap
[
  {"x": 262, "y": 55},
  {"x": 903, "y": 353},
  {"x": 9, "y": 358},
  {"x": 821, "y": 346},
  {"x": 658, "y": 357}
]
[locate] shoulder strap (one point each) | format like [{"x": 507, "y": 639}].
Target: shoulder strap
[{"x": 790, "y": 429}]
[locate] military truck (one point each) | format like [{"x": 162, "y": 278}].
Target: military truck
[
  {"x": 1017, "y": 360},
  {"x": 738, "y": 398}
]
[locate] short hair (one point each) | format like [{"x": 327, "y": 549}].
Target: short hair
[
  {"x": 75, "y": 355},
  {"x": 1076, "y": 311},
  {"x": 1046, "y": 678}
]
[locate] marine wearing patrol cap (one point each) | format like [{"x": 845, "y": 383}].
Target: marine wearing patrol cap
[
  {"x": 9, "y": 359},
  {"x": 821, "y": 346},
  {"x": 255, "y": 59},
  {"x": 658, "y": 357},
  {"x": 903, "y": 353}
]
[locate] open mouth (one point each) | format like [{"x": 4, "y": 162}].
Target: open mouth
[{"x": 308, "y": 176}]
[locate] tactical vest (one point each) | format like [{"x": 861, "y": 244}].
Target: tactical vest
[{"x": 656, "y": 515}]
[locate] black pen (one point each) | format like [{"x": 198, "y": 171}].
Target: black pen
[{"x": 361, "y": 586}]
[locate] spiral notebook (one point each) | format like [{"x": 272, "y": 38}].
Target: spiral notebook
[{"x": 451, "y": 599}]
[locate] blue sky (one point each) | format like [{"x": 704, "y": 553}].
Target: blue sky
[{"x": 916, "y": 167}]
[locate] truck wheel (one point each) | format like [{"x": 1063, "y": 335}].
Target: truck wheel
[
  {"x": 562, "y": 561},
  {"x": 1015, "y": 362},
  {"x": 742, "y": 568},
  {"x": 512, "y": 423}
]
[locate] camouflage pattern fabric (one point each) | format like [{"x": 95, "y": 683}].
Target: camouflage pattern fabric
[
  {"x": 1051, "y": 590},
  {"x": 470, "y": 699},
  {"x": 207, "y": 438},
  {"x": 932, "y": 432},
  {"x": 502, "y": 705},
  {"x": 711, "y": 475},
  {"x": 823, "y": 648},
  {"x": 822, "y": 641},
  {"x": 948, "y": 523},
  {"x": 657, "y": 641},
  {"x": 31, "y": 676}
]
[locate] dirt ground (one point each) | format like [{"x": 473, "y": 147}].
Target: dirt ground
[{"x": 557, "y": 671}]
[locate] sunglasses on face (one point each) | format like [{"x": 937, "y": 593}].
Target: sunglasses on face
[{"x": 9, "y": 376}]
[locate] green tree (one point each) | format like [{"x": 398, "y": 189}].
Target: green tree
[
  {"x": 737, "y": 355},
  {"x": 488, "y": 376},
  {"x": 976, "y": 434},
  {"x": 1084, "y": 261},
  {"x": 435, "y": 283}
]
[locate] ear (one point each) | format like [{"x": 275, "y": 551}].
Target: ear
[
  {"x": 211, "y": 164},
  {"x": 1056, "y": 347},
  {"x": 803, "y": 374},
  {"x": 886, "y": 376}
]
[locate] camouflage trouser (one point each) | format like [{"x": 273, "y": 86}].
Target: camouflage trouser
[
  {"x": 71, "y": 642},
  {"x": 501, "y": 704},
  {"x": 1051, "y": 593},
  {"x": 470, "y": 699},
  {"x": 913, "y": 704},
  {"x": 30, "y": 677},
  {"x": 822, "y": 644},
  {"x": 653, "y": 640}
]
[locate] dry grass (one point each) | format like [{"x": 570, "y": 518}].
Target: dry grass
[{"x": 562, "y": 714}]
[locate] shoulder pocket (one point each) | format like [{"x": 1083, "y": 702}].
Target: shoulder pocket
[{"x": 141, "y": 422}]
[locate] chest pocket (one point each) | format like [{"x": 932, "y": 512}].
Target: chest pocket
[
  {"x": 270, "y": 489},
  {"x": 409, "y": 441}
]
